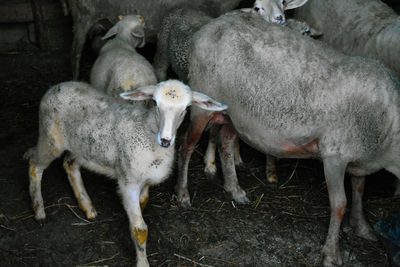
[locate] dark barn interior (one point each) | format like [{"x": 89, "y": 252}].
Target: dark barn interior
[{"x": 285, "y": 225}]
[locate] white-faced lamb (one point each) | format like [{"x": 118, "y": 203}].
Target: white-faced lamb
[
  {"x": 366, "y": 28},
  {"x": 302, "y": 99},
  {"x": 128, "y": 143},
  {"x": 119, "y": 67}
]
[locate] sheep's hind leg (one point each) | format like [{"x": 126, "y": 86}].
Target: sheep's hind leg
[
  {"x": 357, "y": 219},
  {"x": 75, "y": 180},
  {"x": 334, "y": 169},
  {"x": 39, "y": 158},
  {"x": 226, "y": 152}
]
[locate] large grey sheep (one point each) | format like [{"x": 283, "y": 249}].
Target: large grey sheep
[{"x": 294, "y": 97}]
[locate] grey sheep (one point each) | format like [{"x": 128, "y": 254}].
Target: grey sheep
[
  {"x": 128, "y": 143},
  {"x": 366, "y": 28},
  {"x": 294, "y": 97},
  {"x": 86, "y": 13}
]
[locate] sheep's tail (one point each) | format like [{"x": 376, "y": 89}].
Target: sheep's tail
[{"x": 29, "y": 153}]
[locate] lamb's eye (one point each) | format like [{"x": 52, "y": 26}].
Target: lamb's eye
[
  {"x": 256, "y": 9},
  {"x": 284, "y": 2}
]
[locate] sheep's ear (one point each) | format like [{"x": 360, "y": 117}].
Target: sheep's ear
[
  {"x": 290, "y": 4},
  {"x": 111, "y": 32},
  {"x": 206, "y": 102},
  {"x": 141, "y": 93}
]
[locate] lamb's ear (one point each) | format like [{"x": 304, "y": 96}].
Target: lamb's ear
[
  {"x": 138, "y": 31},
  {"x": 290, "y": 4},
  {"x": 111, "y": 32},
  {"x": 206, "y": 102},
  {"x": 141, "y": 93}
]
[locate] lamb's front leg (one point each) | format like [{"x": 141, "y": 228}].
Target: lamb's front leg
[{"x": 130, "y": 194}]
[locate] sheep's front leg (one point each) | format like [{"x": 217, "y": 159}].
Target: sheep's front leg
[
  {"x": 130, "y": 194},
  {"x": 75, "y": 180},
  {"x": 357, "y": 219},
  {"x": 226, "y": 152},
  {"x": 192, "y": 136},
  {"x": 334, "y": 170}
]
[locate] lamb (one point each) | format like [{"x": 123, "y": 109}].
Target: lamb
[
  {"x": 298, "y": 100},
  {"x": 128, "y": 143},
  {"x": 119, "y": 68},
  {"x": 367, "y": 28},
  {"x": 173, "y": 45},
  {"x": 85, "y": 13}
]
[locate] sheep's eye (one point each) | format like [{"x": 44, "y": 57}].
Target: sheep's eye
[
  {"x": 256, "y": 9},
  {"x": 284, "y": 2}
]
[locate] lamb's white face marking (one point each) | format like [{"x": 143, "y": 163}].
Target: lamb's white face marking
[{"x": 172, "y": 98}]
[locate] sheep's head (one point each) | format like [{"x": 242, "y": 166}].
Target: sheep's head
[
  {"x": 129, "y": 28},
  {"x": 172, "y": 97},
  {"x": 274, "y": 10}
]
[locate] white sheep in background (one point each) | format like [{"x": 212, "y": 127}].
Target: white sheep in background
[
  {"x": 128, "y": 143},
  {"x": 366, "y": 28},
  {"x": 119, "y": 67}
]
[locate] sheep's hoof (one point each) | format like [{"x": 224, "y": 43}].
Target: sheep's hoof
[
  {"x": 185, "y": 203},
  {"x": 184, "y": 198}
]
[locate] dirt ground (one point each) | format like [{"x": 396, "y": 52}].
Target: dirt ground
[{"x": 284, "y": 226}]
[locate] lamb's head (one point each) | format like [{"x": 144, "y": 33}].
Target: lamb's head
[
  {"x": 274, "y": 10},
  {"x": 129, "y": 28},
  {"x": 172, "y": 97}
]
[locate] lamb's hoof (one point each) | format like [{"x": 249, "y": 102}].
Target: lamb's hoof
[
  {"x": 210, "y": 170},
  {"x": 242, "y": 200},
  {"x": 239, "y": 162},
  {"x": 40, "y": 215},
  {"x": 91, "y": 214}
]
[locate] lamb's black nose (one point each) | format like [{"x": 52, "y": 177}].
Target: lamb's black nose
[{"x": 165, "y": 142}]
